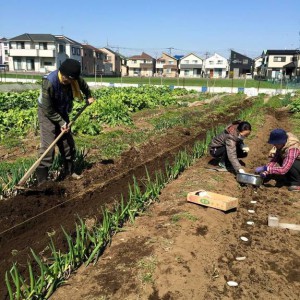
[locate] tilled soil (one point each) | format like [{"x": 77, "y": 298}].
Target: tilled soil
[
  {"x": 181, "y": 250},
  {"x": 27, "y": 220}
]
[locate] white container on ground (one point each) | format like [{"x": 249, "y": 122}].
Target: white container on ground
[{"x": 273, "y": 221}]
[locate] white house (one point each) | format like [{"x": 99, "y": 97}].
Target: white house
[
  {"x": 257, "y": 65},
  {"x": 216, "y": 66},
  {"x": 41, "y": 52},
  {"x": 32, "y": 52},
  {"x": 191, "y": 66},
  {"x": 4, "y": 51},
  {"x": 67, "y": 48}
]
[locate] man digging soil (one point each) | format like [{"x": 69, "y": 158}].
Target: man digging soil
[{"x": 59, "y": 88}]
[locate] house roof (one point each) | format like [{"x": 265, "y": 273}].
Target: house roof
[
  {"x": 33, "y": 37},
  {"x": 66, "y": 39},
  {"x": 281, "y": 52},
  {"x": 178, "y": 56},
  {"x": 189, "y": 55},
  {"x": 241, "y": 55},
  {"x": 113, "y": 52},
  {"x": 90, "y": 47},
  {"x": 215, "y": 55},
  {"x": 142, "y": 56},
  {"x": 109, "y": 50}
]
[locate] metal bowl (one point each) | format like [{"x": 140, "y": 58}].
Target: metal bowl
[{"x": 249, "y": 179}]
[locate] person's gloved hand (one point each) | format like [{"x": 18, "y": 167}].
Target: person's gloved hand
[
  {"x": 241, "y": 171},
  {"x": 263, "y": 174},
  {"x": 245, "y": 148},
  {"x": 260, "y": 169}
]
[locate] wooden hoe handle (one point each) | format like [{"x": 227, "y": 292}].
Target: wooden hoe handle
[{"x": 36, "y": 164}]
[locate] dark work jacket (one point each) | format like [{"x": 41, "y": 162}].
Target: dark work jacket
[
  {"x": 56, "y": 99},
  {"x": 230, "y": 139}
]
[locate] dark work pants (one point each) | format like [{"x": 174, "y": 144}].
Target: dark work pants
[
  {"x": 49, "y": 131},
  {"x": 293, "y": 175},
  {"x": 220, "y": 152}
]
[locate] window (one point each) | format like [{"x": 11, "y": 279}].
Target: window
[
  {"x": 20, "y": 45},
  {"x": 78, "y": 51},
  {"x": 186, "y": 61},
  {"x": 186, "y": 72},
  {"x": 211, "y": 62},
  {"x": 73, "y": 50},
  {"x": 219, "y": 62},
  {"x": 47, "y": 63},
  {"x": 171, "y": 62},
  {"x": 195, "y": 61},
  {"x": 43, "y": 46},
  {"x": 245, "y": 61},
  {"x": 29, "y": 64},
  {"x": 168, "y": 71},
  {"x": 17, "y": 64},
  {"x": 279, "y": 59},
  {"x": 61, "y": 48}
]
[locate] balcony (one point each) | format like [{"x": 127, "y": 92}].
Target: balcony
[
  {"x": 146, "y": 66},
  {"x": 190, "y": 66},
  {"x": 32, "y": 53},
  {"x": 159, "y": 65},
  {"x": 46, "y": 53}
]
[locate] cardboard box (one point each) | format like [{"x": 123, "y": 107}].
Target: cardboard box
[{"x": 212, "y": 200}]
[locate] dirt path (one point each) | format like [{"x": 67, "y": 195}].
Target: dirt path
[{"x": 179, "y": 250}]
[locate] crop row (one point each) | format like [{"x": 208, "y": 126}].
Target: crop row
[
  {"x": 87, "y": 244},
  {"x": 113, "y": 107}
]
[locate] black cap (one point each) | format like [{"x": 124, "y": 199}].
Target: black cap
[
  {"x": 278, "y": 137},
  {"x": 70, "y": 68}
]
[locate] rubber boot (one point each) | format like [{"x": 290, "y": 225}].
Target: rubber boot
[
  {"x": 69, "y": 171},
  {"x": 42, "y": 174}
]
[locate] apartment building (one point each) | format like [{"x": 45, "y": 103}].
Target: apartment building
[
  {"x": 41, "y": 53},
  {"x": 33, "y": 52}
]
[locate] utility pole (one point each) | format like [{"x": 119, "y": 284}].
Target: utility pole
[{"x": 170, "y": 50}]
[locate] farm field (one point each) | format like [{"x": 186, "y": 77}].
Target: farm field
[
  {"x": 174, "y": 249},
  {"x": 179, "y": 250}
]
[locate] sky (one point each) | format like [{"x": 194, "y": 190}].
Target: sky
[{"x": 131, "y": 27}]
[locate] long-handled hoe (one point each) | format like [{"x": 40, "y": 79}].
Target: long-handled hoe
[{"x": 21, "y": 183}]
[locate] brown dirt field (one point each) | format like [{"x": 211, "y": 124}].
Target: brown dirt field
[
  {"x": 27, "y": 220},
  {"x": 180, "y": 250},
  {"x": 176, "y": 250}
]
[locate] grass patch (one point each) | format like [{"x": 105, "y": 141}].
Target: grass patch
[
  {"x": 296, "y": 123},
  {"x": 146, "y": 268},
  {"x": 184, "y": 215}
]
